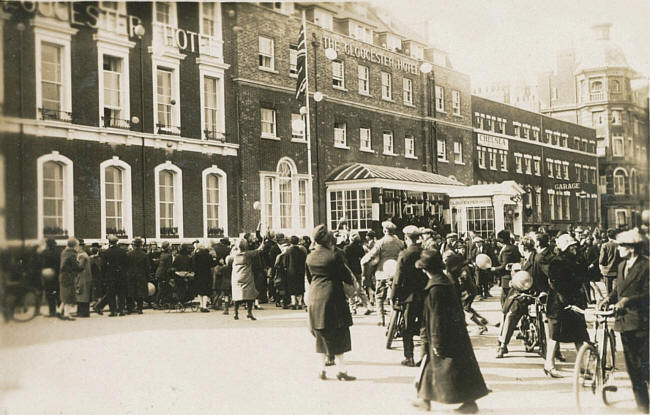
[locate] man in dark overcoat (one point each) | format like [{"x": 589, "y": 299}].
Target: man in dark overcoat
[
  {"x": 163, "y": 271},
  {"x": 631, "y": 298},
  {"x": 451, "y": 373},
  {"x": 137, "y": 273},
  {"x": 508, "y": 255},
  {"x": 408, "y": 291},
  {"x": 113, "y": 274},
  {"x": 294, "y": 262}
]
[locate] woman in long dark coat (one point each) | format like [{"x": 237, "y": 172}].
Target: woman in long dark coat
[
  {"x": 83, "y": 283},
  {"x": 451, "y": 373},
  {"x": 202, "y": 264},
  {"x": 329, "y": 314},
  {"x": 566, "y": 275},
  {"x": 67, "y": 278}
]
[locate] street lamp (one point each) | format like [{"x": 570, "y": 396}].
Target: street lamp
[{"x": 140, "y": 32}]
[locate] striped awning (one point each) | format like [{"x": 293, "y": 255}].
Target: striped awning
[{"x": 361, "y": 171}]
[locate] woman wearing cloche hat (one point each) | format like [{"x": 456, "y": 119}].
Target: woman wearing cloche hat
[{"x": 566, "y": 275}]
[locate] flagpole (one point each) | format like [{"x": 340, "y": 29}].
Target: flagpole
[{"x": 310, "y": 221}]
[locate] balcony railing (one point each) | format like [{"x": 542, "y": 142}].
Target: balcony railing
[
  {"x": 597, "y": 96},
  {"x": 56, "y": 115},
  {"x": 168, "y": 232},
  {"x": 213, "y": 135},
  {"x": 168, "y": 129},
  {"x": 112, "y": 122}
]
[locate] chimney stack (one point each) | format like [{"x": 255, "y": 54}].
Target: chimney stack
[{"x": 601, "y": 31}]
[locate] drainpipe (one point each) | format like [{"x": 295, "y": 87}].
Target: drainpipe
[{"x": 21, "y": 145}]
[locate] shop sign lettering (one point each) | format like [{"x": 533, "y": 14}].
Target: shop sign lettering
[
  {"x": 369, "y": 55},
  {"x": 186, "y": 39},
  {"x": 567, "y": 186},
  {"x": 492, "y": 142}
]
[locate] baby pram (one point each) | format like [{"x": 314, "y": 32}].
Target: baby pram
[{"x": 178, "y": 293}]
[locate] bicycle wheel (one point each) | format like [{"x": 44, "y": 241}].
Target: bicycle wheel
[
  {"x": 542, "y": 337},
  {"x": 531, "y": 336},
  {"x": 25, "y": 308},
  {"x": 608, "y": 365},
  {"x": 587, "y": 378},
  {"x": 392, "y": 328}
]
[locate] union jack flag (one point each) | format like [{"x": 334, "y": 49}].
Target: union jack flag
[{"x": 301, "y": 82}]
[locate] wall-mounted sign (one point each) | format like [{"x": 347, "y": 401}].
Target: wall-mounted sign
[
  {"x": 188, "y": 40},
  {"x": 485, "y": 140},
  {"x": 567, "y": 186},
  {"x": 78, "y": 14},
  {"x": 471, "y": 201},
  {"x": 370, "y": 55}
]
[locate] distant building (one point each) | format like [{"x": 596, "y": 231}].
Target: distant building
[
  {"x": 594, "y": 86},
  {"x": 521, "y": 93},
  {"x": 553, "y": 161}
]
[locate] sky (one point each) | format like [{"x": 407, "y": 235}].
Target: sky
[{"x": 494, "y": 40}]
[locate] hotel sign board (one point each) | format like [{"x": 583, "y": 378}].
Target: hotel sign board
[
  {"x": 370, "y": 54},
  {"x": 491, "y": 141}
]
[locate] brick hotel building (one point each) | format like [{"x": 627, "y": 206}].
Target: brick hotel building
[{"x": 170, "y": 120}]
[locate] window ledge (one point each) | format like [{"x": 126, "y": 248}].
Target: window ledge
[
  {"x": 409, "y": 104},
  {"x": 367, "y": 150},
  {"x": 298, "y": 140},
  {"x": 341, "y": 146},
  {"x": 365, "y": 94},
  {"x": 443, "y": 161},
  {"x": 387, "y": 99},
  {"x": 340, "y": 88},
  {"x": 505, "y": 171},
  {"x": 481, "y": 167},
  {"x": 270, "y": 137},
  {"x": 293, "y": 75},
  {"x": 264, "y": 69},
  {"x": 459, "y": 163},
  {"x": 389, "y": 154},
  {"x": 411, "y": 157},
  {"x": 441, "y": 111},
  {"x": 457, "y": 115},
  {"x": 493, "y": 169}
]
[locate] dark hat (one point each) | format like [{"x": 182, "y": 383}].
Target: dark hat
[
  {"x": 95, "y": 245},
  {"x": 294, "y": 240},
  {"x": 430, "y": 260},
  {"x": 112, "y": 239},
  {"x": 50, "y": 243},
  {"x": 81, "y": 242},
  {"x": 321, "y": 235},
  {"x": 225, "y": 241},
  {"x": 165, "y": 245},
  {"x": 452, "y": 260},
  {"x": 503, "y": 236},
  {"x": 137, "y": 241}
]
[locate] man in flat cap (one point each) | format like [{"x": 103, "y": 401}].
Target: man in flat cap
[
  {"x": 408, "y": 290},
  {"x": 630, "y": 297},
  {"x": 385, "y": 249}
]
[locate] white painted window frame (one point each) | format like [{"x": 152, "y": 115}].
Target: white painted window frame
[
  {"x": 218, "y": 74},
  {"x": 122, "y": 52},
  {"x": 223, "y": 198},
  {"x": 178, "y": 196},
  {"x": 173, "y": 14},
  {"x": 407, "y": 87},
  {"x": 217, "y": 20},
  {"x": 127, "y": 216},
  {"x": 626, "y": 178},
  {"x": 68, "y": 191},
  {"x": 174, "y": 65},
  {"x": 62, "y": 39}
]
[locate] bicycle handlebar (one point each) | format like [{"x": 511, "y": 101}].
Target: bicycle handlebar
[{"x": 610, "y": 312}]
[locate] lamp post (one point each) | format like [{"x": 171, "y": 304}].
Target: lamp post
[
  {"x": 21, "y": 30},
  {"x": 139, "y": 32}
]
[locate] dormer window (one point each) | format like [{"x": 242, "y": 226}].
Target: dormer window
[
  {"x": 393, "y": 43},
  {"x": 416, "y": 52},
  {"x": 323, "y": 19},
  {"x": 360, "y": 32}
]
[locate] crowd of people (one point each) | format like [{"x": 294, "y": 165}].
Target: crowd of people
[{"x": 432, "y": 279}]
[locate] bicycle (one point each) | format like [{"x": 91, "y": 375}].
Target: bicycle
[
  {"x": 531, "y": 325},
  {"x": 395, "y": 326},
  {"x": 595, "y": 363}
]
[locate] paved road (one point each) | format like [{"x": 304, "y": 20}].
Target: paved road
[{"x": 208, "y": 363}]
